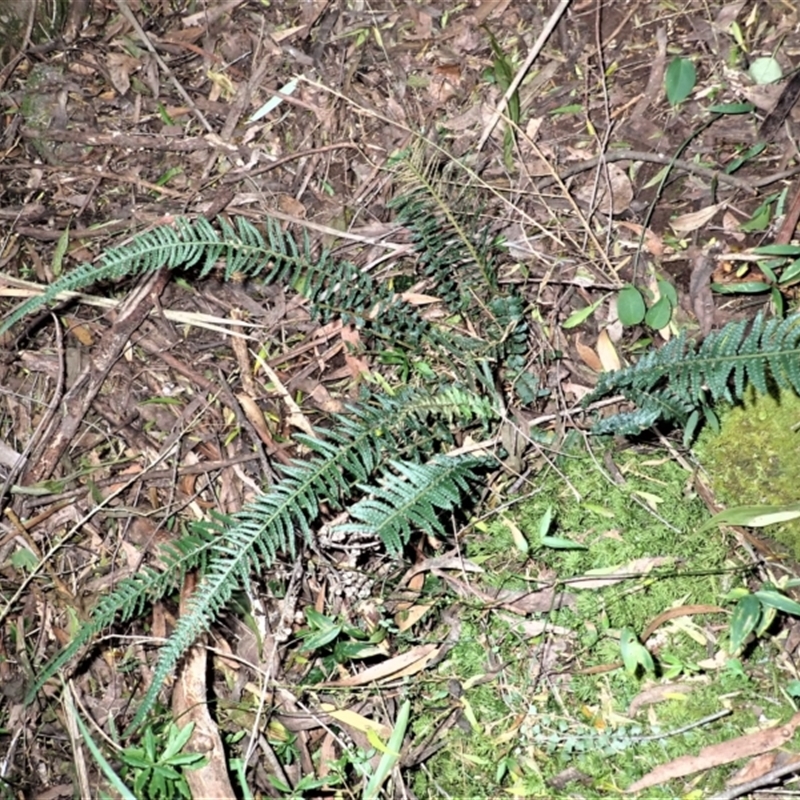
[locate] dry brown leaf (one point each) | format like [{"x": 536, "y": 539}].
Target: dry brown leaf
[
  {"x": 660, "y": 694},
  {"x": 356, "y": 721},
  {"x": 686, "y": 223},
  {"x": 255, "y": 415},
  {"x": 406, "y": 619},
  {"x": 356, "y": 366},
  {"x": 588, "y": 356},
  {"x": 607, "y": 352},
  {"x": 652, "y": 241},
  {"x": 751, "y": 744},
  {"x": 639, "y": 566},
  {"x": 730, "y": 224},
  {"x": 120, "y": 66},
  {"x": 190, "y": 704},
  {"x": 760, "y": 766},
  {"x": 538, "y": 601},
  {"x": 597, "y": 195},
  {"x": 408, "y": 663}
]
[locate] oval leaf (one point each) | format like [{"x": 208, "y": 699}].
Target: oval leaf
[
  {"x": 630, "y": 306},
  {"x": 658, "y": 315},
  {"x": 765, "y": 70},
  {"x": 680, "y": 80}
]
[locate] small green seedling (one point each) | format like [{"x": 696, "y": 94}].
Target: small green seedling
[
  {"x": 780, "y": 265},
  {"x": 632, "y": 307},
  {"x": 555, "y": 542},
  {"x": 635, "y": 655},
  {"x": 157, "y": 764},
  {"x": 755, "y": 612},
  {"x": 345, "y": 641}
]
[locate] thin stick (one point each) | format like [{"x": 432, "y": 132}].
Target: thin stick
[
  {"x": 555, "y": 18},
  {"x": 128, "y": 14}
]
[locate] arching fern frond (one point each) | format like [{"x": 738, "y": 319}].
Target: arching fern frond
[
  {"x": 335, "y": 288},
  {"x": 675, "y": 381},
  {"x": 268, "y": 524},
  {"x": 442, "y": 214},
  {"x": 412, "y": 499},
  {"x": 133, "y": 594}
]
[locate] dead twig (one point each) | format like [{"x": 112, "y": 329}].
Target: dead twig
[
  {"x": 79, "y": 398},
  {"x": 549, "y": 27}
]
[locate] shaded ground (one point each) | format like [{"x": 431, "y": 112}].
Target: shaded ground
[{"x": 298, "y": 112}]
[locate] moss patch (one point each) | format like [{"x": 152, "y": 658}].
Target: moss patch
[
  {"x": 530, "y": 704},
  {"x": 754, "y": 459}
]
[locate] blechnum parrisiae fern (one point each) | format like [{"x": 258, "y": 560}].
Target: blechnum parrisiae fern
[
  {"x": 680, "y": 382},
  {"x": 384, "y": 460}
]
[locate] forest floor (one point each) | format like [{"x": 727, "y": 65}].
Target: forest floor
[{"x": 575, "y": 635}]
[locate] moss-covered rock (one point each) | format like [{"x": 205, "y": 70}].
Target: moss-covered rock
[{"x": 754, "y": 459}]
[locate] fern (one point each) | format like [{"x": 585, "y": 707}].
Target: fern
[
  {"x": 679, "y": 381},
  {"x": 334, "y": 287},
  {"x": 399, "y": 437},
  {"x": 267, "y": 525},
  {"x": 456, "y": 253},
  {"x": 412, "y": 499},
  {"x": 341, "y": 465}
]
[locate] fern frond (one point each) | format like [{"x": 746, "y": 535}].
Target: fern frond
[
  {"x": 268, "y": 524},
  {"x": 132, "y": 595},
  {"x": 454, "y": 251},
  {"x": 334, "y": 287},
  {"x": 674, "y": 381},
  {"x": 412, "y": 499}
]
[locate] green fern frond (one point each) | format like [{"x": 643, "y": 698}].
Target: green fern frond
[
  {"x": 268, "y": 524},
  {"x": 132, "y": 595},
  {"x": 412, "y": 499},
  {"x": 334, "y": 287},
  {"x": 675, "y": 381},
  {"x": 455, "y": 252}
]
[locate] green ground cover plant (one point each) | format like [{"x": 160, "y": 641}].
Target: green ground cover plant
[{"x": 522, "y": 735}]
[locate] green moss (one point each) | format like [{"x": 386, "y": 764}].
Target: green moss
[{"x": 754, "y": 458}]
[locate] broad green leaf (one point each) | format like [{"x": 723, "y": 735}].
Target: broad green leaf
[
  {"x": 634, "y": 653},
  {"x": 680, "y": 79},
  {"x": 545, "y": 521},
  {"x": 765, "y": 70},
  {"x": 777, "y": 250},
  {"x": 741, "y": 160},
  {"x": 178, "y": 737},
  {"x": 791, "y": 272},
  {"x": 658, "y": 315},
  {"x": 668, "y": 290},
  {"x": 560, "y": 543},
  {"x": 775, "y": 599},
  {"x": 744, "y": 620},
  {"x": 630, "y": 306},
  {"x": 754, "y": 516},
  {"x": 732, "y": 108},
  {"x": 746, "y": 287}
]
